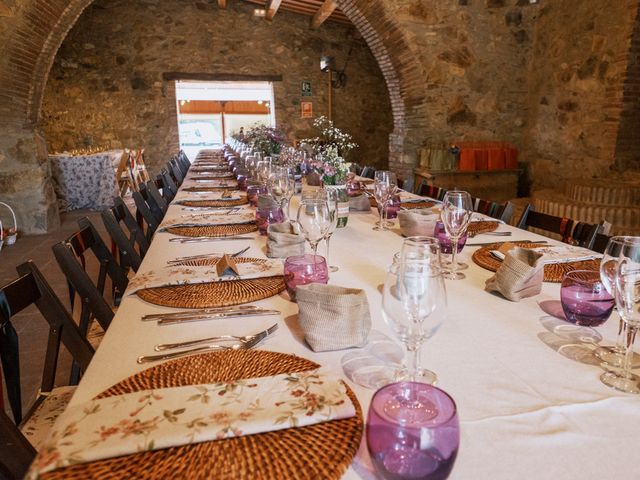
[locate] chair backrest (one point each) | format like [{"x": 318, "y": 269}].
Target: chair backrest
[
  {"x": 175, "y": 171},
  {"x": 431, "y": 191},
  {"x": 132, "y": 245},
  {"x": 70, "y": 257},
  {"x": 32, "y": 288},
  {"x": 169, "y": 185},
  {"x": 562, "y": 226},
  {"x": 493, "y": 209},
  {"x": 16, "y": 453},
  {"x": 600, "y": 242},
  {"x": 368, "y": 172},
  {"x": 183, "y": 162},
  {"x": 406, "y": 185},
  {"x": 153, "y": 187},
  {"x": 147, "y": 213}
]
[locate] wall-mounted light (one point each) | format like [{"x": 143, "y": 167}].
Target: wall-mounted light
[{"x": 259, "y": 12}]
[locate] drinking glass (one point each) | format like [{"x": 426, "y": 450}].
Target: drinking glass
[
  {"x": 414, "y": 306},
  {"x": 420, "y": 248},
  {"x": 384, "y": 187},
  {"x": 413, "y": 432},
  {"x": 268, "y": 216},
  {"x": 584, "y": 299},
  {"x": 446, "y": 246},
  {"x": 613, "y": 355},
  {"x": 314, "y": 220},
  {"x": 331, "y": 196},
  {"x": 302, "y": 270},
  {"x": 627, "y": 295},
  {"x": 457, "y": 209},
  {"x": 281, "y": 187}
]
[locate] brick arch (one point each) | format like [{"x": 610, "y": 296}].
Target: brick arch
[{"x": 42, "y": 26}]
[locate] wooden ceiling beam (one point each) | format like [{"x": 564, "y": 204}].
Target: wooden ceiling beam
[
  {"x": 222, "y": 3},
  {"x": 5, "y": 10},
  {"x": 324, "y": 12},
  {"x": 272, "y": 9}
]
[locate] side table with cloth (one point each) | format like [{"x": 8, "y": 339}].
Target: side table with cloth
[{"x": 85, "y": 181}]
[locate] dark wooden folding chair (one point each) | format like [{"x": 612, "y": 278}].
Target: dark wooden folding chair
[
  {"x": 126, "y": 233},
  {"x": 431, "y": 191},
  {"x": 406, "y": 185},
  {"x": 183, "y": 162},
  {"x": 20, "y": 439},
  {"x": 368, "y": 172},
  {"x": 147, "y": 212},
  {"x": 562, "y": 226},
  {"x": 176, "y": 172},
  {"x": 153, "y": 187},
  {"x": 494, "y": 209},
  {"x": 71, "y": 257},
  {"x": 169, "y": 188}
]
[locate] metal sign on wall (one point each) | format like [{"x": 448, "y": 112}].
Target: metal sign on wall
[
  {"x": 307, "y": 109},
  {"x": 306, "y": 89}
]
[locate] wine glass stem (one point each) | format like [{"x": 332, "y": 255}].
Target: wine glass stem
[
  {"x": 630, "y": 336},
  {"x": 620, "y": 340},
  {"x": 327, "y": 239},
  {"x": 454, "y": 254},
  {"x": 413, "y": 358},
  {"x": 382, "y": 214}
]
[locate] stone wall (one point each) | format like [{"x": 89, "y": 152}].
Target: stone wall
[
  {"x": 106, "y": 84},
  {"x": 576, "y": 82}
]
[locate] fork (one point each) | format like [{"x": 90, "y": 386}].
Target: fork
[
  {"x": 194, "y": 351},
  {"x": 206, "y": 255},
  {"x": 220, "y": 338},
  {"x": 497, "y": 234}
]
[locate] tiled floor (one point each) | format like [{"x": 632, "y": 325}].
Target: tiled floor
[{"x": 31, "y": 327}]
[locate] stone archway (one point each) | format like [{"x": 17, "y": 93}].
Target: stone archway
[{"x": 39, "y": 28}]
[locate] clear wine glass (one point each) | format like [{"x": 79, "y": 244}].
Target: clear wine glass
[
  {"x": 331, "y": 196},
  {"x": 281, "y": 186},
  {"x": 613, "y": 355},
  {"x": 384, "y": 187},
  {"x": 414, "y": 306},
  {"x": 314, "y": 220},
  {"x": 421, "y": 248},
  {"x": 457, "y": 209},
  {"x": 627, "y": 295}
]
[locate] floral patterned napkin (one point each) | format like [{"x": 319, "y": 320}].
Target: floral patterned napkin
[
  {"x": 169, "y": 417},
  {"x": 214, "y": 195},
  {"x": 183, "y": 275}
]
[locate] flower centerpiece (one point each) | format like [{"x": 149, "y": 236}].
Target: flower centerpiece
[
  {"x": 330, "y": 147},
  {"x": 268, "y": 140}
]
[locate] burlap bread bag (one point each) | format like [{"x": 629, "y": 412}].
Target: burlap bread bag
[
  {"x": 360, "y": 203},
  {"x": 284, "y": 240},
  {"x": 520, "y": 275},
  {"x": 333, "y": 317},
  {"x": 417, "y": 222}
]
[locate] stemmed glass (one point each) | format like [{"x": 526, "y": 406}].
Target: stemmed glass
[
  {"x": 384, "y": 187},
  {"x": 281, "y": 186},
  {"x": 457, "y": 209},
  {"x": 331, "y": 196},
  {"x": 414, "y": 306},
  {"x": 612, "y": 355},
  {"x": 314, "y": 220},
  {"x": 627, "y": 295}
]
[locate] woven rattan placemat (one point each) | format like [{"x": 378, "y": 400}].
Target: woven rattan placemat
[
  {"x": 214, "y": 230},
  {"x": 476, "y": 228},
  {"x": 214, "y": 294},
  {"x": 212, "y": 176},
  {"x": 210, "y": 188},
  {"x": 214, "y": 203},
  {"x": 554, "y": 272},
  {"x": 324, "y": 450}
]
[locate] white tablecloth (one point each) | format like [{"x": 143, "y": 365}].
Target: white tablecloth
[
  {"x": 527, "y": 410},
  {"x": 85, "y": 181}
]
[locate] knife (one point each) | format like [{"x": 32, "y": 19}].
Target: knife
[
  {"x": 206, "y": 239},
  {"x": 203, "y": 311},
  {"x": 217, "y": 316},
  {"x": 541, "y": 242}
]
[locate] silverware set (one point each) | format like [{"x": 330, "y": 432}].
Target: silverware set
[
  {"x": 218, "y": 338},
  {"x": 205, "y": 256},
  {"x": 243, "y": 343},
  {"x": 209, "y": 314},
  {"x": 206, "y": 239}
]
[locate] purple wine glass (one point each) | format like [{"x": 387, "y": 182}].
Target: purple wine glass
[
  {"x": 445, "y": 241},
  {"x": 413, "y": 432},
  {"x": 268, "y": 216},
  {"x": 393, "y": 207},
  {"x": 584, "y": 298},
  {"x": 302, "y": 270}
]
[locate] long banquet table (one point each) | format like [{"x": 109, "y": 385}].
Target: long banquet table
[{"x": 529, "y": 398}]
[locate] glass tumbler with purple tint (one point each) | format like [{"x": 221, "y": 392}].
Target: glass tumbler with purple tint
[
  {"x": 393, "y": 207},
  {"x": 413, "y": 432},
  {"x": 268, "y": 216},
  {"x": 445, "y": 241},
  {"x": 302, "y": 270},
  {"x": 253, "y": 191},
  {"x": 584, "y": 299}
]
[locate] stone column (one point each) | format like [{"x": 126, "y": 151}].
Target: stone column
[{"x": 25, "y": 180}]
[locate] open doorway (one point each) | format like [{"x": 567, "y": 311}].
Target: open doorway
[{"x": 210, "y": 112}]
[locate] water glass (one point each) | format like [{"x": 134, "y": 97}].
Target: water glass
[
  {"x": 413, "y": 432},
  {"x": 302, "y": 270},
  {"x": 268, "y": 216},
  {"x": 253, "y": 191},
  {"x": 445, "y": 240},
  {"x": 584, "y": 299},
  {"x": 314, "y": 220},
  {"x": 384, "y": 187},
  {"x": 457, "y": 209}
]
